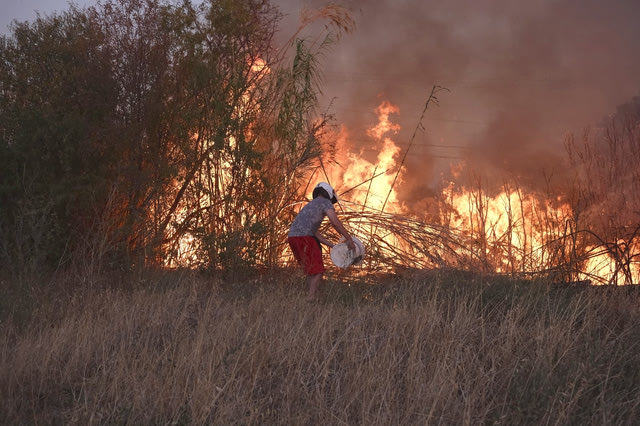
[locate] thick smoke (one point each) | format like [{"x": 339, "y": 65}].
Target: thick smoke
[{"x": 521, "y": 76}]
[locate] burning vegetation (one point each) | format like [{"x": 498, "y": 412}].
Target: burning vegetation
[
  {"x": 512, "y": 231},
  {"x": 178, "y": 136},
  {"x": 142, "y": 142}
]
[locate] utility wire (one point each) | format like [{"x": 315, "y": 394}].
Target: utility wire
[
  {"x": 487, "y": 83},
  {"x": 447, "y": 157},
  {"x": 445, "y": 120},
  {"x": 431, "y": 145}
]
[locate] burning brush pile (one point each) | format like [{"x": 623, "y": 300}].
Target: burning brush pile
[
  {"x": 511, "y": 232},
  {"x": 508, "y": 231}
]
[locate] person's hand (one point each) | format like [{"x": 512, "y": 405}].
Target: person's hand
[{"x": 350, "y": 243}]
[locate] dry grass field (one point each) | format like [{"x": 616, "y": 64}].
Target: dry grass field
[{"x": 437, "y": 348}]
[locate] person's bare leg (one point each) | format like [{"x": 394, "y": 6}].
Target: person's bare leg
[{"x": 313, "y": 282}]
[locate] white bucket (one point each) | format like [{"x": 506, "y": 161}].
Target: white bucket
[{"x": 343, "y": 257}]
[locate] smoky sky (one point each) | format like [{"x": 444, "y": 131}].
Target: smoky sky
[{"x": 520, "y": 75}]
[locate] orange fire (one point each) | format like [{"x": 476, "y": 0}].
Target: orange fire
[
  {"x": 512, "y": 231},
  {"x": 602, "y": 266},
  {"x": 378, "y": 175},
  {"x": 518, "y": 232},
  {"x": 184, "y": 248}
]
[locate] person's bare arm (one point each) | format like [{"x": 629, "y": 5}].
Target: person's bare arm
[
  {"x": 324, "y": 240},
  {"x": 333, "y": 218}
]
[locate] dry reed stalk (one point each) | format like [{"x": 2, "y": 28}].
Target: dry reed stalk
[{"x": 396, "y": 242}]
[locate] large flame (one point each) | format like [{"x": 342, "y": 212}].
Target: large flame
[
  {"x": 370, "y": 183},
  {"x": 183, "y": 248},
  {"x": 510, "y": 232},
  {"x": 602, "y": 266}
]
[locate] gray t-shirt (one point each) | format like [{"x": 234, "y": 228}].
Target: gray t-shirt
[{"x": 310, "y": 217}]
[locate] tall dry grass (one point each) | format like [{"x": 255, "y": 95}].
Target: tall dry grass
[{"x": 443, "y": 348}]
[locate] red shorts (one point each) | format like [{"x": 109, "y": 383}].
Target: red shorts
[{"x": 308, "y": 253}]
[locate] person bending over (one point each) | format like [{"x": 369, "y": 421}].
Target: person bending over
[{"x": 304, "y": 238}]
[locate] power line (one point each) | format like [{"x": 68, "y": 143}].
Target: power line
[
  {"x": 446, "y": 120},
  {"x": 433, "y": 145},
  {"x": 446, "y": 157},
  {"x": 430, "y": 145},
  {"x": 488, "y": 83}
]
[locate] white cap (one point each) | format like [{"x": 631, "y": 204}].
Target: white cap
[{"x": 332, "y": 194}]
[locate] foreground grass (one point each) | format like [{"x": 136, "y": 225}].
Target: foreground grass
[{"x": 435, "y": 349}]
